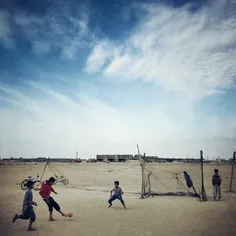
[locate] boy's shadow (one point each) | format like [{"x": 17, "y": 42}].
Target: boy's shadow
[
  {"x": 117, "y": 208},
  {"x": 211, "y": 199}
]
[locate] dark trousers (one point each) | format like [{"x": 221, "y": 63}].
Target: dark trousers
[
  {"x": 28, "y": 213},
  {"x": 52, "y": 204},
  {"x": 216, "y": 191}
]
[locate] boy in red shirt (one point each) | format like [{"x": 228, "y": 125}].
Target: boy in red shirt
[{"x": 45, "y": 192}]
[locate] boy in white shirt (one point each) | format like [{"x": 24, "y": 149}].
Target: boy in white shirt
[{"x": 117, "y": 194}]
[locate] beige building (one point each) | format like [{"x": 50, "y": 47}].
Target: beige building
[{"x": 114, "y": 158}]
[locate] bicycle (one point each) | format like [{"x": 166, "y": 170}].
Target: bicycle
[
  {"x": 61, "y": 179},
  {"x": 37, "y": 183}
]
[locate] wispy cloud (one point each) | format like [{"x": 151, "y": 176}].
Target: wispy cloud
[
  {"x": 176, "y": 48},
  {"x": 59, "y": 28},
  {"x": 63, "y": 27},
  {"x": 55, "y": 124},
  {"x": 5, "y": 29},
  {"x": 101, "y": 53},
  {"x": 50, "y": 122},
  {"x": 41, "y": 47},
  {"x": 168, "y": 54}
]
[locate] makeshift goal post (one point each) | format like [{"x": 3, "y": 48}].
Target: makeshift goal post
[
  {"x": 169, "y": 180},
  {"x": 232, "y": 183}
]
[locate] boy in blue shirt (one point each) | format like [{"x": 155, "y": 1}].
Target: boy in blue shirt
[{"x": 27, "y": 210}]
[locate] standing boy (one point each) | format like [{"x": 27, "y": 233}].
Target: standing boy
[
  {"x": 45, "y": 192},
  {"x": 117, "y": 194},
  {"x": 27, "y": 210},
  {"x": 216, "y": 182}
]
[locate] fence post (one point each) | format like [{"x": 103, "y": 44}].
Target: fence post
[
  {"x": 203, "y": 192},
  {"x": 232, "y": 172},
  {"x": 142, "y": 171}
]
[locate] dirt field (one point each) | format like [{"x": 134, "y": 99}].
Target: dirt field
[{"x": 86, "y": 196}]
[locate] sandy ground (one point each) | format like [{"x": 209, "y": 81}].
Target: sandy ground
[{"x": 86, "y": 196}]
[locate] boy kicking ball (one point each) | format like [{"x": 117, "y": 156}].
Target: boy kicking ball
[
  {"x": 45, "y": 192},
  {"x": 27, "y": 211},
  {"x": 117, "y": 194}
]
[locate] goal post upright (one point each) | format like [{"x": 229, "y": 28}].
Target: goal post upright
[
  {"x": 142, "y": 165},
  {"x": 203, "y": 192},
  {"x": 232, "y": 172},
  {"x": 44, "y": 170}
]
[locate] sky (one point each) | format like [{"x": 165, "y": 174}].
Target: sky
[{"x": 101, "y": 77}]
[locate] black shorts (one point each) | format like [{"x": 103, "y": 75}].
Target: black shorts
[
  {"x": 28, "y": 213},
  {"x": 52, "y": 204}
]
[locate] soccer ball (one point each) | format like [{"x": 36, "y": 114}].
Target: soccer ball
[{"x": 70, "y": 214}]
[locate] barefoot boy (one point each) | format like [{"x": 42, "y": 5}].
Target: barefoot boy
[
  {"x": 117, "y": 194},
  {"x": 27, "y": 211},
  {"x": 216, "y": 182},
  {"x": 45, "y": 192}
]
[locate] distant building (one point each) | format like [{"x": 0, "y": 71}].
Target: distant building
[
  {"x": 114, "y": 158},
  {"x": 151, "y": 158},
  {"x": 136, "y": 157},
  {"x": 123, "y": 158},
  {"x": 105, "y": 158},
  {"x": 41, "y": 159}
]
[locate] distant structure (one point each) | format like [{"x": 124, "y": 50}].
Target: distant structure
[
  {"x": 111, "y": 158},
  {"x": 114, "y": 158},
  {"x": 77, "y": 159},
  {"x": 127, "y": 157}
]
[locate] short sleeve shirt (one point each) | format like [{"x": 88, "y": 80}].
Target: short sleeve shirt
[
  {"x": 117, "y": 191},
  {"x": 28, "y": 199}
]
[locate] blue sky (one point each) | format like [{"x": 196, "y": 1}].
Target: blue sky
[{"x": 103, "y": 76}]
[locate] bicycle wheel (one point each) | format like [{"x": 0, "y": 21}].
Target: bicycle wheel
[
  {"x": 24, "y": 184},
  {"x": 65, "y": 181},
  {"x": 37, "y": 185}
]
